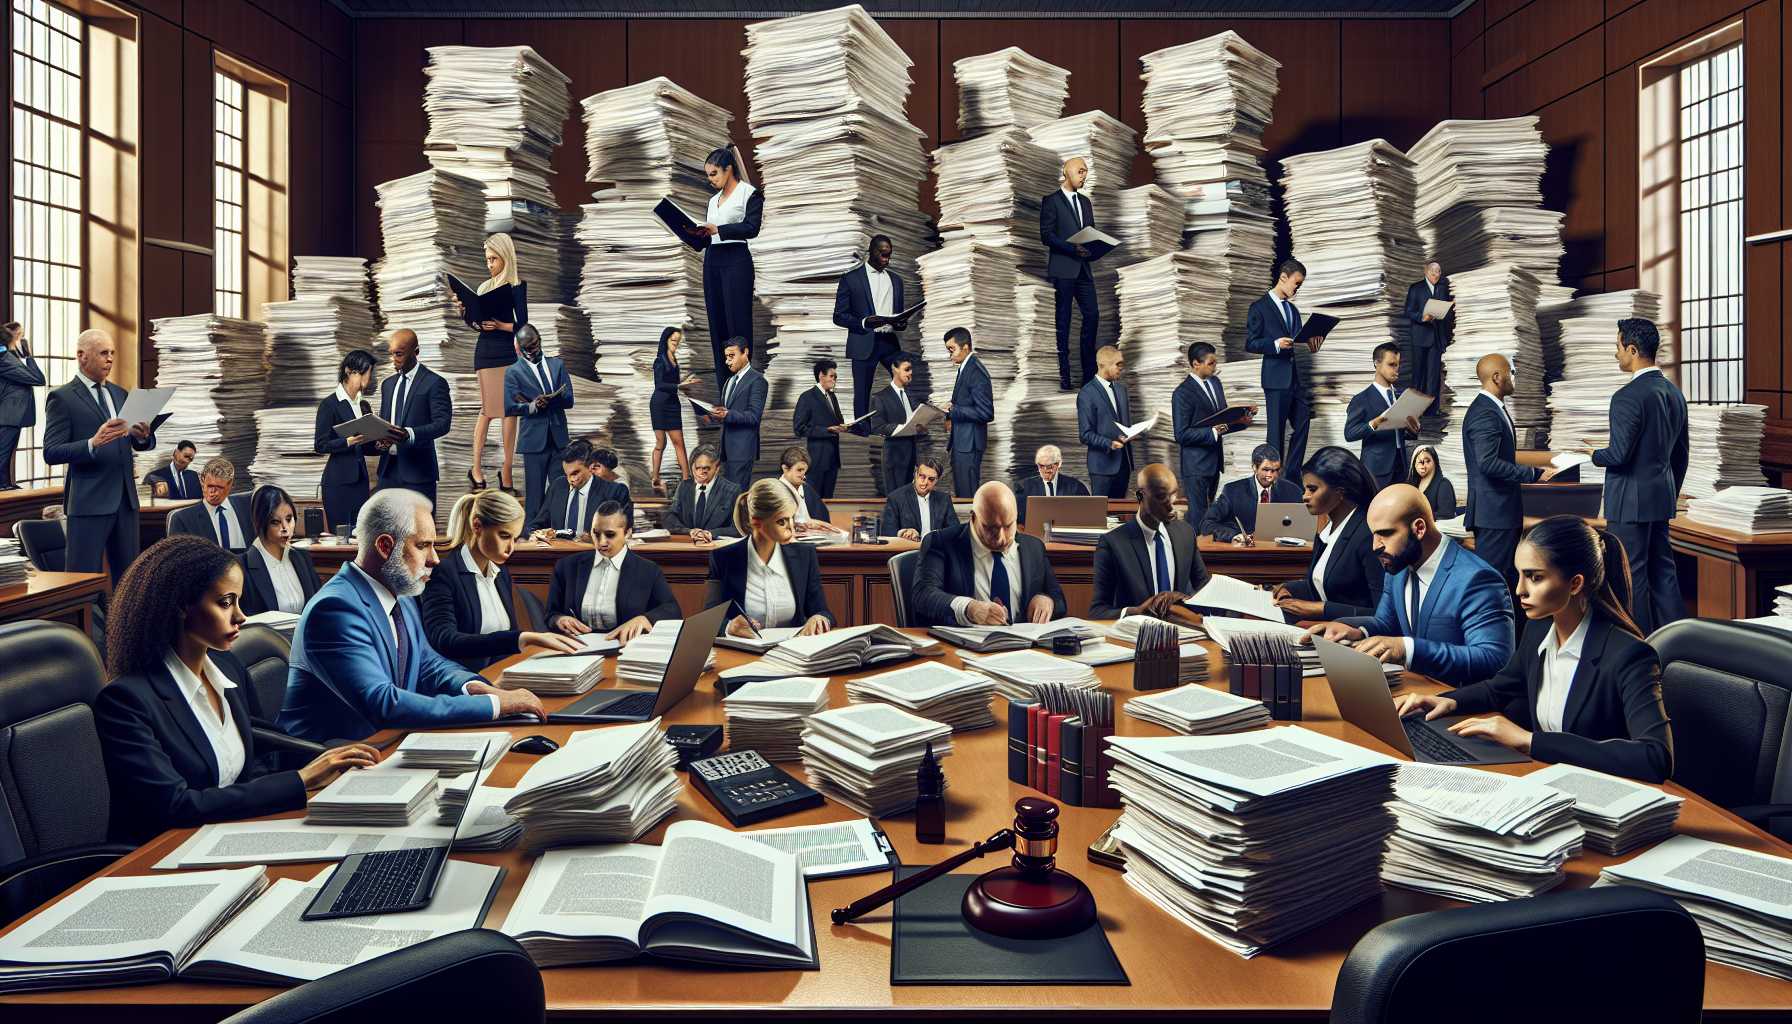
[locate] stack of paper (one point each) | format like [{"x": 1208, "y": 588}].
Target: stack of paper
[
  {"x": 1254, "y": 837},
  {"x": 1475, "y": 164},
  {"x": 946, "y": 695},
  {"x": 1015, "y": 636},
  {"x": 605, "y": 785},
  {"x": 866, "y": 755},
  {"x": 14, "y": 570},
  {"x": 451, "y": 753},
  {"x": 1744, "y": 509},
  {"x": 342, "y": 277},
  {"x": 846, "y": 649},
  {"x": 1009, "y": 87},
  {"x": 216, "y": 365},
  {"x": 768, "y": 715},
  {"x": 1496, "y": 311},
  {"x": 1197, "y": 710},
  {"x": 1108, "y": 146},
  {"x": 486, "y": 825},
  {"x": 1148, "y": 219},
  {"x": 1030, "y": 407},
  {"x": 1619, "y": 815},
  {"x": 1478, "y": 836},
  {"x": 1476, "y": 236},
  {"x": 431, "y": 224},
  {"x": 555, "y": 675},
  {"x": 1724, "y": 445},
  {"x": 1782, "y": 601},
  {"x": 1224, "y": 630},
  {"x": 387, "y": 796},
  {"x": 1584, "y": 331},
  {"x": 1017, "y": 673},
  {"x": 495, "y": 114},
  {"x": 1733, "y": 893},
  {"x": 1127, "y": 629},
  {"x": 645, "y": 658}
]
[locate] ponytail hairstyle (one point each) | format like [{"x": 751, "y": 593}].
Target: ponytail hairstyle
[
  {"x": 1574, "y": 547},
  {"x": 501, "y": 244},
  {"x": 490, "y": 506},
  {"x": 766, "y": 499}
]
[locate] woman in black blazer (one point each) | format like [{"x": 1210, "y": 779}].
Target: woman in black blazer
[
  {"x": 794, "y": 472},
  {"x": 643, "y": 597},
  {"x": 1336, "y": 485},
  {"x": 765, "y": 515},
  {"x": 344, "y": 485},
  {"x": 665, "y": 409},
  {"x": 1603, "y": 709},
  {"x": 468, "y": 606},
  {"x": 1428, "y": 476},
  {"x": 173, "y": 723},
  {"x": 271, "y": 553}
]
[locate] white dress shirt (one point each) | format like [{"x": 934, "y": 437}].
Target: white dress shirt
[
  {"x": 802, "y": 506},
  {"x": 1427, "y": 571},
  {"x": 1328, "y": 535},
  {"x": 1150, "y": 534},
  {"x": 883, "y": 296},
  {"x": 924, "y": 502},
  {"x": 1113, "y": 400},
  {"x": 770, "y": 601},
  {"x": 731, "y": 210},
  {"x": 342, "y": 396},
  {"x": 104, "y": 398},
  {"x": 983, "y": 562},
  {"x": 1282, "y": 304},
  {"x": 407, "y": 383},
  {"x": 1559, "y": 664},
  {"x": 232, "y": 538},
  {"x": 389, "y": 601},
  {"x": 1076, "y": 208},
  {"x": 1051, "y": 487},
  {"x": 289, "y": 593},
  {"x": 493, "y": 616},
  {"x": 598, "y": 608},
  {"x": 1646, "y": 369},
  {"x": 219, "y": 726},
  {"x": 578, "y": 503}
]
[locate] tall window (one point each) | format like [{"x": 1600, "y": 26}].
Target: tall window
[
  {"x": 229, "y": 133},
  {"x": 1710, "y": 158}
]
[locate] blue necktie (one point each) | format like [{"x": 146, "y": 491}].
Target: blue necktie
[
  {"x": 223, "y": 529},
  {"x": 1163, "y": 565},
  {"x": 1412, "y": 603},
  {"x": 998, "y": 584}
]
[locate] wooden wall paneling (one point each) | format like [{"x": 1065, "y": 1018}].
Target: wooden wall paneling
[
  {"x": 1574, "y": 181},
  {"x": 1535, "y": 30},
  {"x": 920, "y": 40},
  {"x": 336, "y": 84},
  {"x": 1653, "y": 25},
  {"x": 1548, "y": 78},
  {"x": 301, "y": 16},
  {"x": 1621, "y": 278},
  {"x": 1763, "y": 207},
  {"x": 1088, "y": 48},
  {"x": 309, "y": 162},
  {"x": 196, "y": 143},
  {"x": 1500, "y": 10},
  {"x": 705, "y": 55},
  {"x": 162, "y": 169},
  {"x": 1394, "y": 79},
  {"x": 1614, "y": 7},
  {"x": 1785, "y": 157},
  {"x": 251, "y": 34},
  {"x": 338, "y": 202},
  {"x": 335, "y": 30},
  {"x": 168, "y": 10},
  {"x": 196, "y": 286},
  {"x": 1621, "y": 168},
  {"x": 389, "y": 123},
  {"x": 1468, "y": 26},
  {"x": 163, "y": 294},
  {"x": 1467, "y": 99}
]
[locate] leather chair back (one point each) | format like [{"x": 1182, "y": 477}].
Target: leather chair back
[
  {"x": 45, "y": 542},
  {"x": 533, "y": 610},
  {"x": 903, "y": 568},
  {"x": 52, "y": 776},
  {"x": 263, "y": 653},
  {"x": 1728, "y": 699}
]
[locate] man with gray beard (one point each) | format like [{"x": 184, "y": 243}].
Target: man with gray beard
[{"x": 360, "y": 661}]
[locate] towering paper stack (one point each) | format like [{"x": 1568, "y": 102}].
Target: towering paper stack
[
  {"x": 345, "y": 277},
  {"x": 1586, "y": 332},
  {"x": 430, "y": 225},
  {"x": 1466, "y": 166},
  {"x": 1007, "y": 88},
  {"x": 1035, "y": 411},
  {"x": 216, "y": 363},
  {"x": 1474, "y": 236},
  {"x": 1496, "y": 311},
  {"x": 496, "y": 114},
  {"x": 1725, "y": 448},
  {"x": 307, "y": 338}
]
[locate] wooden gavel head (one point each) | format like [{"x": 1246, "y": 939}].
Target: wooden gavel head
[{"x": 1035, "y": 835}]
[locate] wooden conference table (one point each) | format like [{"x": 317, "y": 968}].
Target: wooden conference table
[
  {"x": 58, "y": 596},
  {"x": 1175, "y": 972}
]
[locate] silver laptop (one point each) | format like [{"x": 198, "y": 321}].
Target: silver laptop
[
  {"x": 1082, "y": 511},
  {"x": 1285, "y": 519},
  {"x": 690, "y": 652},
  {"x": 1360, "y": 688}
]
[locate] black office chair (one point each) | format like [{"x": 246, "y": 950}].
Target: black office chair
[
  {"x": 903, "y": 567},
  {"x": 476, "y": 974},
  {"x": 1632, "y": 954},
  {"x": 57, "y": 804},
  {"x": 264, "y": 654},
  {"x": 533, "y": 608},
  {"x": 45, "y": 542},
  {"x": 1730, "y": 706}
]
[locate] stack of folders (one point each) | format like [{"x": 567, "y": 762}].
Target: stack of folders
[
  {"x": 1477, "y": 836},
  {"x": 866, "y": 755},
  {"x": 1127, "y": 629},
  {"x": 1007, "y": 87},
  {"x": 1735, "y": 895},
  {"x": 950, "y": 696},
  {"x": 1267, "y": 669},
  {"x": 1196, "y": 710},
  {"x": 768, "y": 715},
  {"x": 1744, "y": 509},
  {"x": 283, "y": 623},
  {"x": 1619, "y": 815},
  {"x": 1018, "y": 673},
  {"x": 556, "y": 675},
  {"x": 846, "y": 649},
  {"x": 9, "y": 546},
  {"x": 487, "y": 825},
  {"x": 645, "y": 658},
  {"x": 14, "y": 570},
  {"x": 1254, "y": 837},
  {"x": 605, "y": 785},
  {"x": 451, "y": 753},
  {"x": 215, "y": 364},
  {"x": 1159, "y": 661},
  {"x": 1055, "y": 745},
  {"x": 1725, "y": 444},
  {"x": 1016, "y": 636},
  {"x": 384, "y": 796}
]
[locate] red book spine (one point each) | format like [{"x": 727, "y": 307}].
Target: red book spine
[{"x": 1054, "y": 728}]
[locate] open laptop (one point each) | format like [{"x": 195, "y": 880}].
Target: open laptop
[
  {"x": 1360, "y": 687},
  {"x": 1285, "y": 519},
  {"x": 1079, "y": 512},
  {"x": 690, "y": 652}
]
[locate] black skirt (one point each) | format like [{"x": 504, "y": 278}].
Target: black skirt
[{"x": 495, "y": 348}]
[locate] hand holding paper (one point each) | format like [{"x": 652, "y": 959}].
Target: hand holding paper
[{"x": 1128, "y": 432}]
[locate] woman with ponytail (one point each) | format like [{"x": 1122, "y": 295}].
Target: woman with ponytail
[
  {"x": 1582, "y": 685},
  {"x": 734, "y": 215},
  {"x": 772, "y": 582},
  {"x": 467, "y": 607}
]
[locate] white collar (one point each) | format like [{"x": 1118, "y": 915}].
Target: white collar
[
  {"x": 919, "y": 497},
  {"x": 1150, "y": 533},
  {"x": 1277, "y": 299},
  {"x": 977, "y": 546},
  {"x": 411, "y": 373},
  {"x": 1646, "y": 369},
  {"x": 1335, "y": 527},
  {"x": 214, "y": 508},
  {"x": 1427, "y": 569},
  {"x": 869, "y": 269},
  {"x": 1495, "y": 399},
  {"x": 583, "y": 489},
  {"x": 824, "y": 391},
  {"x": 1068, "y": 195},
  {"x": 796, "y": 490},
  {"x": 697, "y": 487},
  {"x": 189, "y": 683},
  {"x": 466, "y": 559},
  {"x": 387, "y": 599},
  {"x": 342, "y": 396},
  {"x": 87, "y": 381},
  {"x": 615, "y": 562},
  {"x": 1576, "y": 640},
  {"x": 775, "y": 565},
  {"x": 269, "y": 555}
]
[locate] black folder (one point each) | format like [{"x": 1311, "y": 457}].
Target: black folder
[
  {"x": 1231, "y": 416},
  {"x": 498, "y": 304},
  {"x": 933, "y": 945},
  {"x": 680, "y": 224},
  {"x": 1318, "y": 325}
]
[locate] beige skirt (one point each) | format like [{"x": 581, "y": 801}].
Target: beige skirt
[{"x": 491, "y": 391}]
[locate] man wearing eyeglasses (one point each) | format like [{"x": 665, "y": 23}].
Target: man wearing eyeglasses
[{"x": 1051, "y": 482}]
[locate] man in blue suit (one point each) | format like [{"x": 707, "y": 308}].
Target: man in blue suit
[
  {"x": 743, "y": 403},
  {"x": 1101, "y": 408},
  {"x": 1384, "y": 450},
  {"x": 538, "y": 393},
  {"x": 1269, "y": 331},
  {"x": 968, "y": 414},
  {"x": 83, "y": 431},
  {"x": 1201, "y": 452},
  {"x": 360, "y": 660},
  {"x": 1062, "y": 214},
  {"x": 1490, "y": 451},
  {"x": 416, "y": 399},
  {"x": 865, "y": 305},
  {"x": 1444, "y": 613},
  {"x": 1645, "y": 467}
]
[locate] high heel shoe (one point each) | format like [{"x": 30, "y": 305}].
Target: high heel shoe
[{"x": 474, "y": 482}]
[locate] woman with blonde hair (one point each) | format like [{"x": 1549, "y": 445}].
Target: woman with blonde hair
[
  {"x": 495, "y": 353},
  {"x": 772, "y": 582},
  {"x": 467, "y": 605}
]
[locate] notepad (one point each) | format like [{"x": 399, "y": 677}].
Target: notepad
[{"x": 1098, "y": 243}]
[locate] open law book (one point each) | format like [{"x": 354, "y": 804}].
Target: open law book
[{"x": 706, "y": 895}]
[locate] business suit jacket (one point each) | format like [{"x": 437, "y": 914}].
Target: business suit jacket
[
  {"x": 449, "y": 606},
  {"x": 973, "y": 406},
  {"x": 813, "y": 418},
  {"x": 643, "y": 589},
  {"x": 100, "y": 482},
  {"x": 258, "y": 586},
  {"x": 1200, "y": 452},
  {"x": 728, "y": 580},
  {"x": 1263, "y": 325},
  {"x": 1442, "y": 495},
  {"x": 812, "y": 502},
  {"x": 740, "y": 428},
  {"x": 853, "y": 303},
  {"x": 1383, "y": 451},
  {"x": 1126, "y": 568},
  {"x": 1354, "y": 576},
  {"x": 1095, "y": 423},
  {"x": 343, "y": 678},
  {"x": 17, "y": 378},
  {"x": 160, "y": 766},
  {"x": 948, "y": 570},
  {"x": 1237, "y": 503},
  {"x": 900, "y": 451},
  {"x": 902, "y": 511},
  {"x": 428, "y": 410},
  {"x": 1057, "y": 222},
  {"x": 1033, "y": 487},
  {"x": 1435, "y": 334},
  {"x": 198, "y": 520},
  {"x": 1614, "y": 721},
  {"x": 165, "y": 473},
  {"x": 1490, "y": 449},
  {"x": 718, "y": 510},
  {"x": 345, "y": 465},
  {"x": 552, "y": 513},
  {"x": 543, "y": 431},
  {"x": 1465, "y": 622},
  {"x": 1645, "y": 461}
]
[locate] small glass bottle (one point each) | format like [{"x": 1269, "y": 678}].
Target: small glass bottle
[{"x": 930, "y": 800}]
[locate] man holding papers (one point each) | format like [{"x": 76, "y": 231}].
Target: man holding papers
[
  {"x": 917, "y": 509},
  {"x": 1490, "y": 451},
  {"x": 1104, "y": 421},
  {"x": 1200, "y": 451},
  {"x": 972, "y": 406},
  {"x": 1367, "y": 420},
  {"x": 743, "y": 403},
  {"x": 1051, "y": 481},
  {"x": 1149, "y": 565},
  {"x": 1270, "y": 329},
  {"x": 1234, "y": 516},
  {"x": 537, "y": 393},
  {"x": 416, "y": 399},
  {"x": 1062, "y": 214},
  {"x": 868, "y": 306},
  {"x": 1432, "y": 310},
  {"x": 892, "y": 409},
  {"x": 983, "y": 573},
  {"x": 819, "y": 423}
]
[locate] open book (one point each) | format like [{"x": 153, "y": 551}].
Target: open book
[
  {"x": 1132, "y": 430},
  {"x": 1014, "y": 636},
  {"x": 705, "y": 895}
]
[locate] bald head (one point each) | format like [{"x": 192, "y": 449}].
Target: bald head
[
  {"x": 403, "y": 348},
  {"x": 1400, "y": 502},
  {"x": 1404, "y": 527},
  {"x": 1076, "y": 171},
  {"x": 1109, "y": 362},
  {"x": 1157, "y": 493},
  {"x": 93, "y": 354},
  {"x": 1495, "y": 373},
  {"x": 993, "y": 513}
]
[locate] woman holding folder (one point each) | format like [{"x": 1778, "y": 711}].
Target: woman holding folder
[
  {"x": 495, "y": 352},
  {"x": 774, "y": 582},
  {"x": 666, "y": 408},
  {"x": 344, "y": 485},
  {"x": 468, "y": 606},
  {"x": 734, "y": 215}
]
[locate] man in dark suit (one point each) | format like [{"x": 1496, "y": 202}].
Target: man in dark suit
[
  {"x": 893, "y": 407},
  {"x": 743, "y": 403},
  {"x": 982, "y": 573},
  {"x": 222, "y": 517},
  {"x": 972, "y": 406},
  {"x": 1234, "y": 516},
  {"x": 1430, "y": 335},
  {"x": 1270, "y": 328},
  {"x": 18, "y": 375},
  {"x": 1051, "y": 481},
  {"x": 917, "y": 509},
  {"x": 1383, "y": 450},
  {"x": 174, "y": 480},
  {"x": 416, "y": 399},
  {"x": 537, "y": 392},
  {"x": 1147, "y": 566},
  {"x": 1101, "y": 407},
  {"x": 865, "y": 305},
  {"x": 1200, "y": 451},
  {"x": 573, "y": 496},
  {"x": 1062, "y": 214},
  {"x": 1490, "y": 452},
  {"x": 82, "y": 430},
  {"x": 1645, "y": 467},
  {"x": 703, "y": 506},
  {"x": 819, "y": 423}
]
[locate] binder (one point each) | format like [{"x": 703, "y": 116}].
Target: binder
[
  {"x": 1318, "y": 325},
  {"x": 1231, "y": 416},
  {"x": 1055, "y": 728},
  {"x": 1019, "y": 753},
  {"x": 1070, "y": 762},
  {"x": 680, "y": 224},
  {"x": 497, "y": 304}
]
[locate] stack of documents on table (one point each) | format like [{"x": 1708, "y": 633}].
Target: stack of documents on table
[
  {"x": 645, "y": 658},
  {"x": 431, "y": 224},
  {"x": 950, "y": 696},
  {"x": 216, "y": 365},
  {"x": 1253, "y": 837},
  {"x": 1196, "y": 710},
  {"x": 1481, "y": 164},
  {"x": 386, "y": 796},
  {"x": 605, "y": 785},
  {"x": 1478, "y": 836},
  {"x": 1586, "y": 376},
  {"x": 1127, "y": 629},
  {"x": 767, "y": 638},
  {"x": 1496, "y": 311},
  {"x": 451, "y": 753},
  {"x": 1084, "y": 536},
  {"x": 768, "y": 715},
  {"x": 1224, "y": 630},
  {"x": 1724, "y": 444},
  {"x": 1006, "y": 88},
  {"x": 866, "y": 755},
  {"x": 495, "y": 114},
  {"x": 1619, "y": 815},
  {"x": 1737, "y": 896},
  {"x": 555, "y": 674},
  {"x": 847, "y": 648},
  {"x": 1744, "y": 509},
  {"x": 487, "y": 825},
  {"x": 14, "y": 570},
  {"x": 1014, "y": 636},
  {"x": 1017, "y": 672}
]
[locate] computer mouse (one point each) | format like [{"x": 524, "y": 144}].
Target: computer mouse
[{"x": 535, "y": 745}]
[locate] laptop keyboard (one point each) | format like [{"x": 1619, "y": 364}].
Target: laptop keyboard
[
  {"x": 388, "y": 878},
  {"x": 1426, "y": 740},
  {"x": 634, "y": 704}
]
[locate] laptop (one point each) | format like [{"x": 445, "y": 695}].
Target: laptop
[
  {"x": 1084, "y": 511},
  {"x": 1360, "y": 687},
  {"x": 1285, "y": 519},
  {"x": 690, "y": 652}
]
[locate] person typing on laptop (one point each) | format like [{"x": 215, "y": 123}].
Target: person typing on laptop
[{"x": 1234, "y": 516}]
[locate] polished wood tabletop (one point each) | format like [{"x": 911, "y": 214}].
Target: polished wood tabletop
[{"x": 61, "y": 596}]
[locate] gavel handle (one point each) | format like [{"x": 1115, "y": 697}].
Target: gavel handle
[{"x": 1003, "y": 840}]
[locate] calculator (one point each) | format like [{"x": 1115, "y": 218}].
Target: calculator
[{"x": 747, "y": 788}]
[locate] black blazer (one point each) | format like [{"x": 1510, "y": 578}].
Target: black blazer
[
  {"x": 902, "y": 511},
  {"x": 1033, "y": 487},
  {"x": 1354, "y": 576},
  {"x": 1200, "y": 452},
  {"x": 165, "y": 473},
  {"x": 449, "y": 606},
  {"x": 812, "y": 503},
  {"x": 1126, "y": 573},
  {"x": 973, "y": 406},
  {"x": 1057, "y": 222},
  {"x": 1614, "y": 722},
  {"x": 813, "y": 418},
  {"x": 948, "y": 571},
  {"x": 429, "y": 411},
  {"x": 1646, "y": 458},
  {"x": 728, "y": 581},
  {"x": 853, "y": 303},
  {"x": 1442, "y": 495},
  {"x": 196, "y": 520},
  {"x": 1383, "y": 451},
  {"x": 1435, "y": 334},
  {"x": 1490, "y": 450},
  {"x": 345, "y": 465},
  {"x": 889, "y": 417},
  {"x": 101, "y": 482},
  {"x": 746, "y": 406},
  {"x": 552, "y": 510},
  {"x": 1237, "y": 503},
  {"x": 643, "y": 589},
  {"x": 258, "y": 587},
  {"x": 17, "y": 378},
  {"x": 160, "y": 766},
  {"x": 718, "y": 508},
  {"x": 1263, "y": 326}
]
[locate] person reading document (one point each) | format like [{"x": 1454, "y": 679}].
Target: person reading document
[
  {"x": 1270, "y": 329},
  {"x": 1103, "y": 407},
  {"x": 984, "y": 573},
  {"x": 1366, "y": 420},
  {"x": 1062, "y": 214}
]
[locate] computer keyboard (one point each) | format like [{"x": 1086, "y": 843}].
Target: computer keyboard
[
  {"x": 1426, "y": 740},
  {"x": 388, "y": 878},
  {"x": 633, "y": 704}
]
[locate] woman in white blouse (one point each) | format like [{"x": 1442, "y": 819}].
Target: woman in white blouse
[
  {"x": 776, "y": 583},
  {"x": 174, "y": 722},
  {"x": 607, "y": 590},
  {"x": 277, "y": 577},
  {"x": 467, "y": 606},
  {"x": 734, "y": 214}
]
